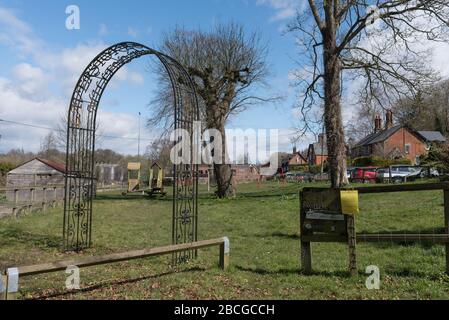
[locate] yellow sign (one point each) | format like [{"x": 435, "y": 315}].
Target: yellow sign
[{"x": 349, "y": 202}]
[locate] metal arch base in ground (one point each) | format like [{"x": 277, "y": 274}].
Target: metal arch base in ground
[{"x": 82, "y": 116}]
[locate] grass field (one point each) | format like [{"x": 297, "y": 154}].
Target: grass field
[{"x": 262, "y": 224}]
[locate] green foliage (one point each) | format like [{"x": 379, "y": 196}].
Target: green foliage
[
  {"x": 437, "y": 157},
  {"x": 5, "y": 167},
  {"x": 378, "y": 162},
  {"x": 317, "y": 169},
  {"x": 298, "y": 168}
]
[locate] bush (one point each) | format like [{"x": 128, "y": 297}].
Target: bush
[
  {"x": 379, "y": 162},
  {"x": 5, "y": 167},
  {"x": 317, "y": 169}
]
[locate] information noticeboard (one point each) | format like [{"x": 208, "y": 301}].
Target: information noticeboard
[{"x": 324, "y": 214}]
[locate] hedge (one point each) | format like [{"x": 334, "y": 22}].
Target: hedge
[{"x": 379, "y": 162}]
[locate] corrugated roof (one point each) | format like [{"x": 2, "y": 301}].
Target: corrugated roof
[
  {"x": 433, "y": 136},
  {"x": 53, "y": 164}
]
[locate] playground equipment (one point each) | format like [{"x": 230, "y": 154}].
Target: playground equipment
[
  {"x": 156, "y": 180},
  {"x": 134, "y": 177}
]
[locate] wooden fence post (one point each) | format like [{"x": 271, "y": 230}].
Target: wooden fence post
[
  {"x": 3, "y": 287},
  {"x": 352, "y": 245},
  {"x": 446, "y": 223},
  {"x": 16, "y": 200},
  {"x": 12, "y": 283},
  {"x": 55, "y": 196},
  {"x": 44, "y": 199},
  {"x": 224, "y": 253},
  {"x": 306, "y": 248}
]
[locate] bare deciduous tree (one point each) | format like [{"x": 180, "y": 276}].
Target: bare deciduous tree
[
  {"x": 226, "y": 65},
  {"x": 378, "y": 41}
]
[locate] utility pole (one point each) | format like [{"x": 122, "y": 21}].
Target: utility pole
[{"x": 138, "y": 140}]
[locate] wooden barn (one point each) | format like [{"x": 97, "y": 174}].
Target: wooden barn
[{"x": 36, "y": 173}]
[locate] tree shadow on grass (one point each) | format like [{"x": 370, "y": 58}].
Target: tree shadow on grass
[
  {"x": 103, "y": 285},
  {"x": 295, "y": 271},
  {"x": 280, "y": 235},
  {"x": 11, "y": 235}
]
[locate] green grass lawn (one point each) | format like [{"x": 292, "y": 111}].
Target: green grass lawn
[{"x": 263, "y": 226}]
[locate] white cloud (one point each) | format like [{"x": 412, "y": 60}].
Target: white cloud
[
  {"x": 103, "y": 30},
  {"x": 38, "y": 89},
  {"x": 284, "y": 9},
  {"x": 133, "y": 32}
]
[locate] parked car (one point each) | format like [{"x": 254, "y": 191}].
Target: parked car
[
  {"x": 366, "y": 174},
  {"x": 400, "y": 174}
]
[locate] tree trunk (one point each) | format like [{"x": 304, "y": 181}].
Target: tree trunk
[
  {"x": 332, "y": 111},
  {"x": 223, "y": 170}
]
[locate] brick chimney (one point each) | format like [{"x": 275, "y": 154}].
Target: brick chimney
[
  {"x": 389, "y": 119},
  {"x": 295, "y": 150},
  {"x": 377, "y": 124}
]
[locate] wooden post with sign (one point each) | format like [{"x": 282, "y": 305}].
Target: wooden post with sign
[{"x": 327, "y": 215}]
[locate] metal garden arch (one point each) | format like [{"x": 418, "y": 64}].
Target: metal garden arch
[{"x": 80, "y": 179}]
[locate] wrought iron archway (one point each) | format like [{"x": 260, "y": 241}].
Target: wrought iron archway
[{"x": 80, "y": 179}]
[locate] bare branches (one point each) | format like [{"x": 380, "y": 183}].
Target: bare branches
[
  {"x": 226, "y": 64},
  {"x": 379, "y": 44}
]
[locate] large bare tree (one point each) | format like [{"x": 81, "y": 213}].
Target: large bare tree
[
  {"x": 380, "y": 43},
  {"x": 227, "y": 64}
]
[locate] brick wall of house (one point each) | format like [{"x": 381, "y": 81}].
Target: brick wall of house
[
  {"x": 320, "y": 159},
  {"x": 402, "y": 138}
]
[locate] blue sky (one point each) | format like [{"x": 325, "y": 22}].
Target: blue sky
[{"x": 40, "y": 60}]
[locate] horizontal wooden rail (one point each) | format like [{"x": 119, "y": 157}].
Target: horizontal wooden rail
[
  {"x": 380, "y": 238},
  {"x": 125, "y": 256},
  {"x": 435, "y": 238},
  {"x": 48, "y": 187},
  {"x": 404, "y": 188},
  {"x": 223, "y": 244}
]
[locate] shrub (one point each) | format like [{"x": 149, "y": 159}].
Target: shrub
[{"x": 379, "y": 162}]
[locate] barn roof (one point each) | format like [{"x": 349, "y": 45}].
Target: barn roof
[
  {"x": 60, "y": 167},
  {"x": 53, "y": 164}
]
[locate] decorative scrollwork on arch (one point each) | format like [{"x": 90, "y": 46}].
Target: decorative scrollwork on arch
[{"x": 80, "y": 159}]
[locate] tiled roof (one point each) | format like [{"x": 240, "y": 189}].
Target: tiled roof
[
  {"x": 378, "y": 137},
  {"x": 433, "y": 136}
]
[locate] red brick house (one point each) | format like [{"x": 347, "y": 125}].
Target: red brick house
[
  {"x": 396, "y": 141},
  {"x": 317, "y": 153}
]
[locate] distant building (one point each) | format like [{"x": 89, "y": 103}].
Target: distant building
[
  {"x": 241, "y": 172},
  {"x": 36, "y": 173},
  {"x": 396, "y": 141},
  {"x": 110, "y": 174},
  {"x": 317, "y": 153}
]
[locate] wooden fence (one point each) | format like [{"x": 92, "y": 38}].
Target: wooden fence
[
  {"x": 9, "y": 277},
  {"x": 306, "y": 253},
  {"x": 18, "y": 200}
]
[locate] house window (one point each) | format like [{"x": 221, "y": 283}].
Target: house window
[{"x": 408, "y": 148}]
